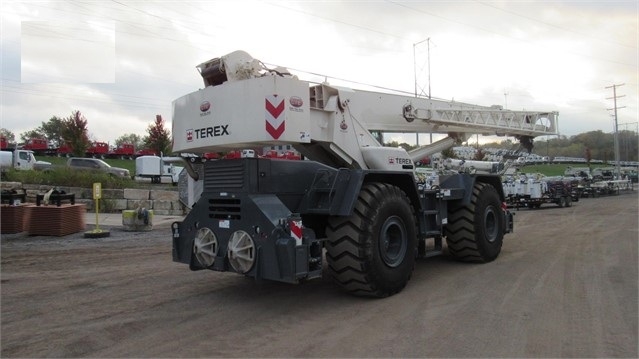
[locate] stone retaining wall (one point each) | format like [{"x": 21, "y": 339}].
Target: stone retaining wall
[{"x": 162, "y": 202}]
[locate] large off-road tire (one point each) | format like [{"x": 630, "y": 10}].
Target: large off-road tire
[
  {"x": 568, "y": 201},
  {"x": 372, "y": 252},
  {"x": 562, "y": 202},
  {"x": 475, "y": 232}
]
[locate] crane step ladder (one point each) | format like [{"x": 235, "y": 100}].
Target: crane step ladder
[{"x": 431, "y": 223}]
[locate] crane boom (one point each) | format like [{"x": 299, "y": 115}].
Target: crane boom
[{"x": 245, "y": 104}]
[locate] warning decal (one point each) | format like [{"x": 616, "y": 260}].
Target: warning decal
[{"x": 275, "y": 116}]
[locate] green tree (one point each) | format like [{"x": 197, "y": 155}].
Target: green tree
[
  {"x": 24, "y": 136},
  {"x": 158, "y": 138},
  {"x": 392, "y": 144},
  {"x": 52, "y": 129},
  {"x": 8, "y": 135},
  {"x": 403, "y": 145},
  {"x": 131, "y": 138},
  {"x": 74, "y": 131},
  {"x": 449, "y": 153}
]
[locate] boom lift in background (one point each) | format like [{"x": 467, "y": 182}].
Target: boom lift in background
[{"x": 353, "y": 198}]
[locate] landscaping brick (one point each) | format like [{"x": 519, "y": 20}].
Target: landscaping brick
[{"x": 136, "y": 194}]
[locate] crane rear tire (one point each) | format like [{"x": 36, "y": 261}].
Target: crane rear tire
[
  {"x": 372, "y": 252},
  {"x": 475, "y": 232}
]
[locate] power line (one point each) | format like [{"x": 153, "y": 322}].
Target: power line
[
  {"x": 498, "y": 33},
  {"x": 62, "y": 92},
  {"x": 555, "y": 26},
  {"x": 340, "y": 22}
]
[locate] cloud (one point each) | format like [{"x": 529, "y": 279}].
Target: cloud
[
  {"x": 531, "y": 55},
  {"x": 63, "y": 52}
]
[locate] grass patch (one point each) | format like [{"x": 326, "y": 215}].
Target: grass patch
[
  {"x": 60, "y": 176},
  {"x": 67, "y": 178},
  {"x": 547, "y": 169}
]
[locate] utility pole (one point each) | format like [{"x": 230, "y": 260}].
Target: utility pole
[
  {"x": 428, "y": 67},
  {"x": 415, "y": 72},
  {"x": 616, "y": 136}
]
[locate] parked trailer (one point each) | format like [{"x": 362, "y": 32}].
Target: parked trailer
[
  {"x": 124, "y": 151},
  {"x": 612, "y": 187},
  {"x": 98, "y": 150},
  {"x": 532, "y": 192},
  {"x": 5, "y": 145},
  {"x": 39, "y": 146}
]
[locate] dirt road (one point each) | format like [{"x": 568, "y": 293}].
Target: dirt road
[{"x": 565, "y": 285}]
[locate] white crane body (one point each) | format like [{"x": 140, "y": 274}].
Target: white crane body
[
  {"x": 271, "y": 219},
  {"x": 265, "y": 109}
]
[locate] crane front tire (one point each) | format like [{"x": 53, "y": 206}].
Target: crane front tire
[{"x": 372, "y": 252}]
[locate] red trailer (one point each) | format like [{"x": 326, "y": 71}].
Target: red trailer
[
  {"x": 39, "y": 146},
  {"x": 5, "y": 145},
  {"x": 123, "y": 151},
  {"x": 211, "y": 156},
  {"x": 145, "y": 152},
  {"x": 286, "y": 155},
  {"x": 98, "y": 149},
  {"x": 64, "y": 150}
]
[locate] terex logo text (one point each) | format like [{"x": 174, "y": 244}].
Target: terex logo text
[{"x": 213, "y": 131}]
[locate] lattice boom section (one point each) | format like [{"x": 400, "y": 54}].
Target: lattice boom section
[{"x": 502, "y": 122}]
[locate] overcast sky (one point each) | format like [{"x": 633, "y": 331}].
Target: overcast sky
[{"x": 122, "y": 62}]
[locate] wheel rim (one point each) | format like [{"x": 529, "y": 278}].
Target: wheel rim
[
  {"x": 490, "y": 224},
  {"x": 393, "y": 242},
  {"x": 241, "y": 251},
  {"x": 205, "y": 247}
]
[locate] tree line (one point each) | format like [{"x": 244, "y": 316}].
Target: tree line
[
  {"x": 73, "y": 131},
  {"x": 589, "y": 145},
  {"x": 592, "y": 145}
]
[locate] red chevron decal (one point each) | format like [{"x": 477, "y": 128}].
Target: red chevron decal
[
  {"x": 275, "y": 111},
  {"x": 275, "y": 132}
]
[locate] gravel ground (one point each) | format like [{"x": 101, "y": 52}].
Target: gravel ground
[{"x": 565, "y": 285}]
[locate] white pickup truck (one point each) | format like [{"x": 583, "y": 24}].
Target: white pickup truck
[{"x": 21, "y": 160}]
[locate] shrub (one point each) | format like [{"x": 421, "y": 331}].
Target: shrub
[{"x": 68, "y": 178}]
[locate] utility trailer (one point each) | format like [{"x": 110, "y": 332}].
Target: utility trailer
[
  {"x": 611, "y": 187},
  {"x": 531, "y": 192},
  {"x": 352, "y": 202},
  {"x": 124, "y": 151}
]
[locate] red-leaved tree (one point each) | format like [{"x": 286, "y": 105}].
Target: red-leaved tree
[
  {"x": 74, "y": 131},
  {"x": 158, "y": 138}
]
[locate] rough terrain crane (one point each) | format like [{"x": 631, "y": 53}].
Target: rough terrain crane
[{"x": 352, "y": 198}]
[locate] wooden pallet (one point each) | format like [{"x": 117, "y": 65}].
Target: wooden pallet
[{"x": 56, "y": 221}]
